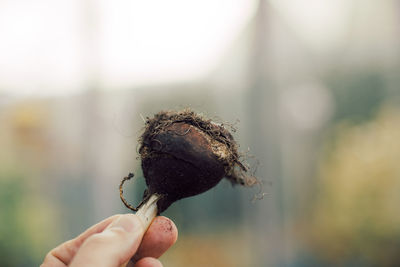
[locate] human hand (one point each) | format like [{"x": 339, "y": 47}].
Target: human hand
[{"x": 115, "y": 241}]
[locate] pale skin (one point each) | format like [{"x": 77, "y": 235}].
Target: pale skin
[{"x": 115, "y": 241}]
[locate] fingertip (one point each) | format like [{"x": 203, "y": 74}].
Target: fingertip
[
  {"x": 160, "y": 236},
  {"x": 148, "y": 262},
  {"x": 166, "y": 225},
  {"x": 162, "y": 231}
]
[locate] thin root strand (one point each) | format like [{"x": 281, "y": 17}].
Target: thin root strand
[{"x": 121, "y": 192}]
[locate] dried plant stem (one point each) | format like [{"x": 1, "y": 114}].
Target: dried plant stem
[
  {"x": 121, "y": 193},
  {"x": 146, "y": 210},
  {"x": 146, "y": 213}
]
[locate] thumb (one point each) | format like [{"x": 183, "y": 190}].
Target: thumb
[{"x": 114, "y": 246}]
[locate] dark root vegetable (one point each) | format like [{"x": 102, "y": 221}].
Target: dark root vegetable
[{"x": 184, "y": 154}]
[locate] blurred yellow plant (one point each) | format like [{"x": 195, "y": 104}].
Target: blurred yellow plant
[
  {"x": 227, "y": 248},
  {"x": 356, "y": 213}
]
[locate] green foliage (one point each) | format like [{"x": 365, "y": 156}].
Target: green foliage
[
  {"x": 15, "y": 248},
  {"x": 26, "y": 221},
  {"x": 357, "y": 95}
]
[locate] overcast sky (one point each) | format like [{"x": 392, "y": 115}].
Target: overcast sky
[{"x": 57, "y": 46}]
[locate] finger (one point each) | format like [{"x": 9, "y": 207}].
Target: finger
[
  {"x": 63, "y": 254},
  {"x": 148, "y": 262},
  {"x": 114, "y": 246},
  {"x": 52, "y": 261},
  {"x": 160, "y": 236}
]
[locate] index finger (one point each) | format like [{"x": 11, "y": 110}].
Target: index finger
[{"x": 63, "y": 254}]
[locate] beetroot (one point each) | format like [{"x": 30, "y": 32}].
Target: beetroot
[{"x": 184, "y": 154}]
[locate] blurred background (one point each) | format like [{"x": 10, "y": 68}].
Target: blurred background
[{"x": 312, "y": 87}]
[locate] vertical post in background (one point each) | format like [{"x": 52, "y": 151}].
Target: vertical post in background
[
  {"x": 263, "y": 126},
  {"x": 94, "y": 134},
  {"x": 105, "y": 112}
]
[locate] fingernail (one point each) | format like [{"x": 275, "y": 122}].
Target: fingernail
[{"x": 128, "y": 222}]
